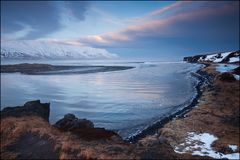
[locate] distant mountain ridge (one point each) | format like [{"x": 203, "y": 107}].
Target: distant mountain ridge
[
  {"x": 221, "y": 57},
  {"x": 30, "y": 49}
]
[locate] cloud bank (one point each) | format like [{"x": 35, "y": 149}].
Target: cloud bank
[
  {"x": 42, "y": 17},
  {"x": 169, "y": 27},
  {"x": 173, "y": 25}
]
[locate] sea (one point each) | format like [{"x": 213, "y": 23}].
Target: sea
[{"x": 126, "y": 101}]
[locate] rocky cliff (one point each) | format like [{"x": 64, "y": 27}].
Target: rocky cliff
[
  {"x": 221, "y": 57},
  {"x": 27, "y": 134}
]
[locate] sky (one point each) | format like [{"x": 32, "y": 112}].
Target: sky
[{"x": 158, "y": 30}]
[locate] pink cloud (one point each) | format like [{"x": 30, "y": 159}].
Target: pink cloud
[
  {"x": 65, "y": 42},
  {"x": 164, "y": 26},
  {"x": 168, "y": 8}
]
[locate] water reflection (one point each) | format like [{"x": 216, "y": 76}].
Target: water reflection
[{"x": 126, "y": 100}]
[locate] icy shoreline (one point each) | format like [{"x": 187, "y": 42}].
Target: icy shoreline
[
  {"x": 203, "y": 141},
  {"x": 202, "y": 81}
]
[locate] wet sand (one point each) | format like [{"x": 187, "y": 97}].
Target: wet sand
[{"x": 46, "y": 69}]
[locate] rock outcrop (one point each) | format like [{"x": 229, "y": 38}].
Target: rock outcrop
[
  {"x": 236, "y": 71},
  {"x": 31, "y": 108},
  {"x": 193, "y": 58},
  {"x": 221, "y": 57},
  {"x": 26, "y": 134},
  {"x": 84, "y": 128},
  {"x": 71, "y": 123}
]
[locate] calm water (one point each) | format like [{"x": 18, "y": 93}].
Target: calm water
[{"x": 126, "y": 101}]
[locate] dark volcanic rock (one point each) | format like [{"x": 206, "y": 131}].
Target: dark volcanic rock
[
  {"x": 83, "y": 128},
  {"x": 71, "y": 123},
  {"x": 236, "y": 71},
  {"x": 97, "y": 133},
  {"x": 193, "y": 58},
  {"x": 227, "y": 77},
  {"x": 30, "y": 108}
]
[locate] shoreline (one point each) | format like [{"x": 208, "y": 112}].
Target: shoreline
[
  {"x": 47, "y": 69},
  {"x": 152, "y": 129},
  {"x": 208, "y": 114},
  {"x": 149, "y": 130},
  {"x": 215, "y": 115}
]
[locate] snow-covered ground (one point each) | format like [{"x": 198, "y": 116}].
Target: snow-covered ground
[
  {"x": 200, "y": 144},
  {"x": 50, "y": 50},
  {"x": 233, "y": 147},
  {"x": 215, "y": 58},
  {"x": 227, "y": 68},
  {"x": 220, "y": 57},
  {"x": 234, "y": 59}
]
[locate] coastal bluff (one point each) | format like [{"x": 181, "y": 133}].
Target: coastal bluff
[
  {"x": 220, "y": 57},
  {"x": 27, "y": 134}
]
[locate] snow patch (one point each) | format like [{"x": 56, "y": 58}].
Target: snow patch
[
  {"x": 216, "y": 57},
  {"x": 226, "y": 67},
  {"x": 223, "y": 55},
  {"x": 233, "y": 147},
  {"x": 234, "y": 59},
  {"x": 210, "y": 57},
  {"x": 200, "y": 144},
  {"x": 237, "y": 77},
  {"x": 219, "y": 57}
]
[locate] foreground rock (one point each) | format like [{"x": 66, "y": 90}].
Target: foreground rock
[
  {"x": 236, "y": 71},
  {"x": 71, "y": 123},
  {"x": 84, "y": 128},
  {"x": 26, "y": 134},
  {"x": 31, "y": 108}
]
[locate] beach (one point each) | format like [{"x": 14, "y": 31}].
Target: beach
[{"x": 213, "y": 114}]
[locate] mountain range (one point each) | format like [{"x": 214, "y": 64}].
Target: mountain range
[{"x": 33, "y": 49}]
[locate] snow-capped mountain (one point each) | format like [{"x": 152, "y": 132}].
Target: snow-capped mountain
[
  {"x": 223, "y": 57},
  {"x": 32, "y": 49}
]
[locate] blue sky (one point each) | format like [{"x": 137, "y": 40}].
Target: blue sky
[{"x": 152, "y": 30}]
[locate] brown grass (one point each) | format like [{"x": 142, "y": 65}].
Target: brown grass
[
  {"x": 68, "y": 145},
  {"x": 217, "y": 113}
]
